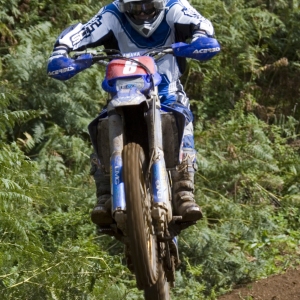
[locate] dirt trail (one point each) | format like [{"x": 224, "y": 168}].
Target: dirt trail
[{"x": 278, "y": 287}]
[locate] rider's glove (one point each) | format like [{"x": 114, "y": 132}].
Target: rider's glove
[
  {"x": 62, "y": 67},
  {"x": 59, "y": 63},
  {"x": 60, "y": 51},
  {"x": 198, "y": 33}
]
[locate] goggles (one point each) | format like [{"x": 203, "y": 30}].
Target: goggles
[{"x": 146, "y": 7}]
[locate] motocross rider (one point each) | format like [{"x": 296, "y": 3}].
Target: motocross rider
[{"x": 133, "y": 26}]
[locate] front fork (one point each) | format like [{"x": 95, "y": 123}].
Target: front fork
[
  {"x": 161, "y": 192},
  {"x": 161, "y": 206},
  {"x": 118, "y": 207}
]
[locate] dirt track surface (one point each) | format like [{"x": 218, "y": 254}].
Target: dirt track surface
[{"x": 277, "y": 287}]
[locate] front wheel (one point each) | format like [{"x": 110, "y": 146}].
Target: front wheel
[
  {"x": 161, "y": 289},
  {"x": 142, "y": 240}
]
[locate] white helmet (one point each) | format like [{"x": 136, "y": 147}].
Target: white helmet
[{"x": 144, "y": 16}]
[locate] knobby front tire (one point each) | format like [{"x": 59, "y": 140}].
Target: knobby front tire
[
  {"x": 160, "y": 290},
  {"x": 142, "y": 241}
]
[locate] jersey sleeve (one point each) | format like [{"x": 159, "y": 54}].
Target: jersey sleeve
[
  {"x": 95, "y": 32},
  {"x": 186, "y": 19}
]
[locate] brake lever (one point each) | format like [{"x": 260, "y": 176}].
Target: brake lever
[
  {"x": 168, "y": 51},
  {"x": 92, "y": 52}
]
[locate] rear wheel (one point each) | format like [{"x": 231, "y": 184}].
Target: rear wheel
[{"x": 142, "y": 240}]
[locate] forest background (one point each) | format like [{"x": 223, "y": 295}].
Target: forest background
[{"x": 246, "y": 106}]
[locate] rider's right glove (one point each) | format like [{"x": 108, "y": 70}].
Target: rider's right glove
[{"x": 62, "y": 67}]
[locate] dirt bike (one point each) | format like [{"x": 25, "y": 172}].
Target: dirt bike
[{"x": 137, "y": 140}]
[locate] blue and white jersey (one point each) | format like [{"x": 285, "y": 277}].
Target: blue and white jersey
[{"x": 111, "y": 29}]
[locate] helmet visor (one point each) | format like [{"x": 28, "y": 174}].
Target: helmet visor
[{"x": 145, "y": 7}]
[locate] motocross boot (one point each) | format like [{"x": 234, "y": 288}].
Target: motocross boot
[
  {"x": 183, "y": 188},
  {"x": 101, "y": 213}
]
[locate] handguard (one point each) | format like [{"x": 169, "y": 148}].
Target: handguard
[
  {"x": 203, "y": 48},
  {"x": 63, "y": 68}
]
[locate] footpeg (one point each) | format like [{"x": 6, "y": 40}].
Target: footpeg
[{"x": 178, "y": 224}]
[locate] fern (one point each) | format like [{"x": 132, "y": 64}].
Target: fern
[{"x": 246, "y": 134}]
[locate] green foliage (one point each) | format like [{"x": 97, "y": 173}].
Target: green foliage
[
  {"x": 258, "y": 57},
  {"x": 25, "y": 14},
  {"x": 48, "y": 247},
  {"x": 246, "y": 168},
  {"x": 246, "y": 133}
]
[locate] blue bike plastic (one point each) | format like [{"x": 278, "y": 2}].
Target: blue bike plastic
[
  {"x": 118, "y": 192},
  {"x": 63, "y": 68},
  {"x": 203, "y": 48}
]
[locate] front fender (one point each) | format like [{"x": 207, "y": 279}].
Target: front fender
[{"x": 203, "y": 48}]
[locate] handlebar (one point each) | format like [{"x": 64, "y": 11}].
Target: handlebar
[
  {"x": 202, "y": 49},
  {"x": 63, "y": 68},
  {"x": 104, "y": 56}
]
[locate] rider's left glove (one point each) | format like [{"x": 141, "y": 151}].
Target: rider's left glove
[{"x": 197, "y": 34}]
